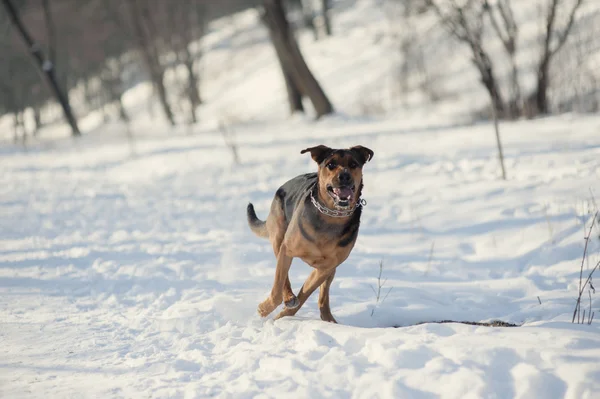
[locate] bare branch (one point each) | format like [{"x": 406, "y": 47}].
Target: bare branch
[
  {"x": 562, "y": 36},
  {"x": 549, "y": 27},
  {"x": 509, "y": 35},
  {"x": 459, "y": 31},
  {"x": 508, "y": 16}
]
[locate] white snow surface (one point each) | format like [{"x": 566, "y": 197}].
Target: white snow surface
[
  {"x": 135, "y": 275},
  {"x": 127, "y": 268}
]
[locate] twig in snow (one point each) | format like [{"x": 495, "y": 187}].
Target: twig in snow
[
  {"x": 229, "y": 137},
  {"x": 379, "y": 287}
]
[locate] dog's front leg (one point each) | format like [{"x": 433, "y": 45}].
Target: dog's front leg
[
  {"x": 281, "y": 274},
  {"x": 324, "y": 299},
  {"x": 314, "y": 280}
]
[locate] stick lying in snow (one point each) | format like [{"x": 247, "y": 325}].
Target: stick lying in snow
[{"x": 494, "y": 323}]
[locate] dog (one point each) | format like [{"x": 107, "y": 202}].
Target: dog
[{"x": 314, "y": 217}]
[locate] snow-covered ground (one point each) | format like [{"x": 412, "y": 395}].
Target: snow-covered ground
[
  {"x": 135, "y": 275},
  {"x": 127, "y": 268}
]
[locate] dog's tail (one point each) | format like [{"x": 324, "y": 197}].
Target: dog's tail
[{"x": 257, "y": 226}]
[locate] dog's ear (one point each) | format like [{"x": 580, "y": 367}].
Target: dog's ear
[
  {"x": 318, "y": 153},
  {"x": 364, "y": 154}
]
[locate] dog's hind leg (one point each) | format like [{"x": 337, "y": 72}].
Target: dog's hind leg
[
  {"x": 281, "y": 275},
  {"x": 324, "y": 299},
  {"x": 316, "y": 278}
]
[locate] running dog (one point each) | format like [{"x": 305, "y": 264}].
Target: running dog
[{"x": 314, "y": 217}]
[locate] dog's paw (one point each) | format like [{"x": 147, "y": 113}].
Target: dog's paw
[
  {"x": 265, "y": 308},
  {"x": 292, "y": 303},
  {"x": 328, "y": 317}
]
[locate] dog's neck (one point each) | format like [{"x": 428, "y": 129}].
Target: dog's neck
[{"x": 317, "y": 199}]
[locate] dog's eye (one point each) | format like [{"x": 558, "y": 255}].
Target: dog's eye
[
  {"x": 331, "y": 165},
  {"x": 353, "y": 165}
]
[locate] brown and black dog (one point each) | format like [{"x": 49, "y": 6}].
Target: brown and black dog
[{"x": 314, "y": 217}]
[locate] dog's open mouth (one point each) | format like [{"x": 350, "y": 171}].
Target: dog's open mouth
[{"x": 341, "y": 195}]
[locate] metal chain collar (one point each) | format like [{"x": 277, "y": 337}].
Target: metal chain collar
[{"x": 335, "y": 213}]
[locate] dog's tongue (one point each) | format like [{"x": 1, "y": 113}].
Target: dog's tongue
[{"x": 343, "y": 192}]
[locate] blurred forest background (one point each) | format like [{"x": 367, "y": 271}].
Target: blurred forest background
[{"x": 61, "y": 60}]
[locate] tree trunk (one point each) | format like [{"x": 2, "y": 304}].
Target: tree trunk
[
  {"x": 502, "y": 19},
  {"x": 45, "y": 68},
  {"x": 293, "y": 92},
  {"x": 308, "y": 17},
  {"x": 541, "y": 93},
  {"x": 146, "y": 48},
  {"x": 294, "y": 95},
  {"x": 484, "y": 65},
  {"x": 550, "y": 49},
  {"x": 292, "y": 60},
  {"x": 489, "y": 81},
  {"x": 19, "y": 127},
  {"x": 122, "y": 113},
  {"x": 192, "y": 89},
  {"x": 50, "y": 31},
  {"x": 184, "y": 21},
  {"x": 515, "y": 98},
  {"x": 327, "y": 17},
  {"x": 16, "y": 126},
  {"x": 37, "y": 120},
  {"x": 158, "y": 80}
]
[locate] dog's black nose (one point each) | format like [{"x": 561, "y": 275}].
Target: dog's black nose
[{"x": 345, "y": 178}]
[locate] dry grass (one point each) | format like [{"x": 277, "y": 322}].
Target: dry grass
[{"x": 578, "y": 313}]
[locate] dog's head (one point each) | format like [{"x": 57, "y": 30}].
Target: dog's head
[{"x": 340, "y": 173}]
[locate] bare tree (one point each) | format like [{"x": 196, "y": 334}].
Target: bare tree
[
  {"x": 412, "y": 50},
  {"x": 145, "y": 35},
  {"x": 293, "y": 91},
  {"x": 466, "y": 24},
  {"x": 503, "y": 22},
  {"x": 325, "y": 9},
  {"x": 293, "y": 65},
  {"x": 306, "y": 9},
  {"x": 45, "y": 67},
  {"x": 113, "y": 86},
  {"x": 187, "y": 22},
  {"x": 554, "y": 40},
  {"x": 96, "y": 45},
  {"x": 51, "y": 30}
]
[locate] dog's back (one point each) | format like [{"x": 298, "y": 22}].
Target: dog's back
[
  {"x": 288, "y": 196},
  {"x": 294, "y": 191}
]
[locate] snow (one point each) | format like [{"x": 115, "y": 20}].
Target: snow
[
  {"x": 127, "y": 268},
  {"x": 135, "y": 275}
]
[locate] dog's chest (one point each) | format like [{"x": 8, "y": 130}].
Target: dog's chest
[
  {"x": 319, "y": 242},
  {"x": 322, "y": 255}
]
